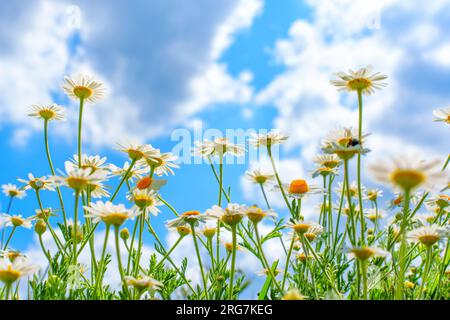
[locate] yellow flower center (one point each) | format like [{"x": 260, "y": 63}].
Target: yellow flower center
[
  {"x": 13, "y": 193},
  {"x": 9, "y": 275},
  {"x": 409, "y": 284},
  {"x": 359, "y": 84},
  {"x": 255, "y": 214},
  {"x": 82, "y": 92},
  {"x": 155, "y": 162},
  {"x": 36, "y": 184},
  {"x": 143, "y": 201},
  {"x": 261, "y": 179},
  {"x": 443, "y": 201},
  {"x": 209, "y": 232},
  {"x": 47, "y": 114},
  {"x": 115, "y": 219},
  {"x": 363, "y": 253},
  {"x": 429, "y": 239},
  {"x": 17, "y": 221},
  {"x": 231, "y": 219},
  {"x": 301, "y": 228},
  {"x": 135, "y": 154},
  {"x": 77, "y": 184},
  {"x": 183, "y": 231},
  {"x": 407, "y": 179},
  {"x": 310, "y": 236},
  {"x": 298, "y": 187},
  {"x": 330, "y": 164}
]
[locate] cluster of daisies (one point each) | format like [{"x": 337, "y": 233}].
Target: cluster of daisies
[{"x": 350, "y": 231}]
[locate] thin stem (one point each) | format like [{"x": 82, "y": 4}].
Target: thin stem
[
  {"x": 80, "y": 122},
  {"x": 364, "y": 278},
  {"x": 220, "y": 179},
  {"x": 197, "y": 251},
  {"x": 360, "y": 115},
  {"x": 125, "y": 177},
  {"x": 119, "y": 259},
  {"x": 217, "y": 178},
  {"x": 402, "y": 233},
  {"x": 7, "y": 212},
  {"x": 102, "y": 259},
  {"x": 47, "y": 255},
  {"x": 75, "y": 228},
  {"x": 168, "y": 206},
  {"x": 9, "y": 238},
  {"x": 264, "y": 195},
  {"x": 169, "y": 252},
  {"x": 139, "y": 253},
  {"x": 280, "y": 185},
  {"x": 286, "y": 265},
  {"x": 425, "y": 271},
  {"x": 349, "y": 200},
  {"x": 233, "y": 260},
  {"x": 133, "y": 236},
  {"x": 49, "y": 159}
]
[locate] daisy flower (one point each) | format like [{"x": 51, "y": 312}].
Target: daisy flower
[
  {"x": 427, "y": 235},
  {"x": 209, "y": 231},
  {"x": 344, "y": 143},
  {"x": 231, "y": 215},
  {"x": 98, "y": 190},
  {"x": 364, "y": 253},
  {"x": 47, "y": 112},
  {"x": 267, "y": 140},
  {"x": 35, "y": 183},
  {"x": 373, "y": 194},
  {"x": 256, "y": 214},
  {"x": 258, "y": 177},
  {"x": 83, "y": 87},
  {"x": 299, "y": 188},
  {"x": 146, "y": 200},
  {"x": 442, "y": 115},
  {"x": 441, "y": 201},
  {"x": 143, "y": 283},
  {"x": 293, "y": 294},
  {"x": 136, "y": 172},
  {"x": 353, "y": 189},
  {"x": 187, "y": 218},
  {"x": 302, "y": 227},
  {"x": 137, "y": 151},
  {"x": 373, "y": 215},
  {"x": 79, "y": 179},
  {"x": 408, "y": 173},
  {"x": 362, "y": 80},
  {"x": 150, "y": 183},
  {"x": 160, "y": 163},
  {"x": 313, "y": 232},
  {"x": 330, "y": 161},
  {"x": 15, "y": 221},
  {"x": 11, "y": 190},
  {"x": 109, "y": 213},
  {"x": 10, "y": 254},
  {"x": 217, "y": 147},
  {"x": 95, "y": 163},
  {"x": 12, "y": 271},
  {"x": 44, "y": 214}
]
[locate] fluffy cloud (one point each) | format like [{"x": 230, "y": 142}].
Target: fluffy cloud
[{"x": 159, "y": 61}]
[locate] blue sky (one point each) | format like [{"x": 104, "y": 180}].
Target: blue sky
[{"x": 225, "y": 64}]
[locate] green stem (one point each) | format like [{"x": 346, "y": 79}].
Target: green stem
[
  {"x": 102, "y": 260},
  {"x": 75, "y": 228},
  {"x": 139, "y": 253},
  {"x": 169, "y": 252},
  {"x": 349, "y": 200},
  {"x": 286, "y": 265},
  {"x": 47, "y": 255},
  {"x": 9, "y": 238},
  {"x": 264, "y": 195},
  {"x": 425, "y": 271},
  {"x": 49, "y": 159},
  {"x": 280, "y": 185},
  {"x": 119, "y": 260},
  {"x": 168, "y": 206},
  {"x": 402, "y": 233},
  {"x": 125, "y": 177},
  {"x": 197, "y": 251},
  {"x": 233, "y": 260},
  {"x": 364, "y": 277},
  {"x": 80, "y": 122},
  {"x": 133, "y": 236},
  {"x": 220, "y": 179}
]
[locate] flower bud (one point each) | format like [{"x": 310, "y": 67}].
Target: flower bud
[{"x": 40, "y": 227}]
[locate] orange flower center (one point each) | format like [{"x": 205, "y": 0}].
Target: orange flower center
[
  {"x": 298, "y": 187},
  {"x": 144, "y": 183}
]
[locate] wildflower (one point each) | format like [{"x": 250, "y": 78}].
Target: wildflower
[
  {"x": 427, "y": 235},
  {"x": 229, "y": 247},
  {"x": 267, "y": 140},
  {"x": 44, "y": 214},
  {"x": 94, "y": 163},
  {"x": 12, "y": 271},
  {"x": 97, "y": 189},
  {"x": 10, "y": 254},
  {"x": 302, "y": 227},
  {"x": 364, "y": 253},
  {"x": 160, "y": 163},
  {"x": 302, "y": 257},
  {"x": 183, "y": 230},
  {"x": 231, "y": 215},
  {"x": 324, "y": 172},
  {"x": 353, "y": 189},
  {"x": 79, "y": 179},
  {"x": 15, "y": 221},
  {"x": 124, "y": 234},
  {"x": 256, "y": 176},
  {"x": 188, "y": 217},
  {"x": 83, "y": 87},
  {"x": 41, "y": 183},
  {"x": 209, "y": 232},
  {"x": 293, "y": 294},
  {"x": 146, "y": 200},
  {"x": 143, "y": 283},
  {"x": 11, "y": 190},
  {"x": 137, "y": 152},
  {"x": 299, "y": 188},
  {"x": 256, "y": 214},
  {"x": 344, "y": 143},
  {"x": 109, "y": 213},
  {"x": 217, "y": 147},
  {"x": 136, "y": 172},
  {"x": 313, "y": 232},
  {"x": 373, "y": 194},
  {"x": 150, "y": 183},
  {"x": 47, "y": 112},
  {"x": 361, "y": 80},
  {"x": 441, "y": 201},
  {"x": 408, "y": 173},
  {"x": 442, "y": 115},
  {"x": 374, "y": 215},
  {"x": 40, "y": 227},
  {"x": 265, "y": 272},
  {"x": 329, "y": 161}
]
